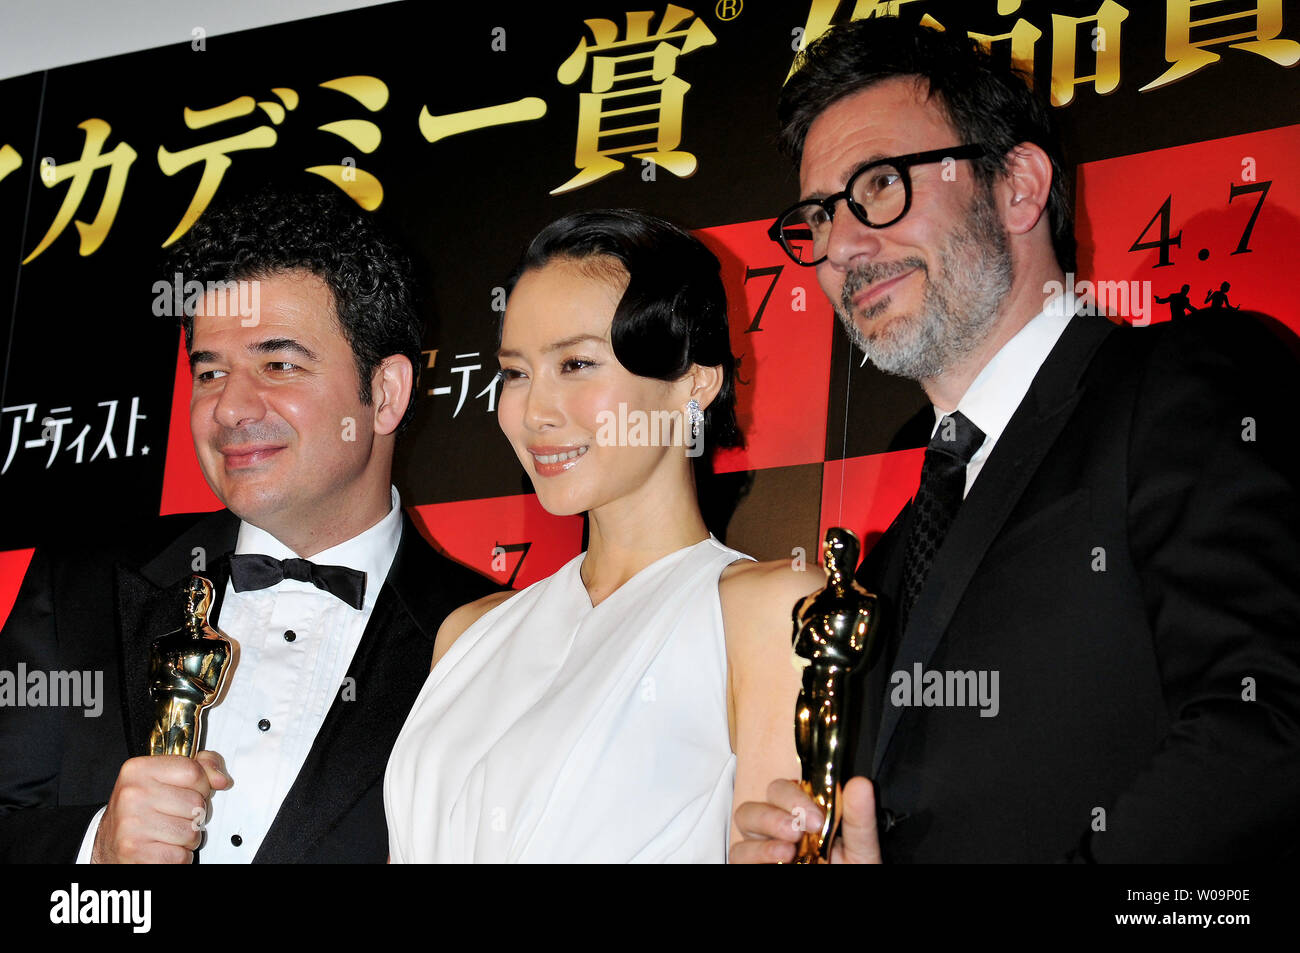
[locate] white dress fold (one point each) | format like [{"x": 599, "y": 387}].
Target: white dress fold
[{"x": 555, "y": 732}]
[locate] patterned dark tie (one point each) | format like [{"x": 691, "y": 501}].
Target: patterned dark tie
[
  {"x": 258, "y": 571},
  {"x": 943, "y": 481}
]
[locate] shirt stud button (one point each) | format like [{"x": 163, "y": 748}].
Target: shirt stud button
[
  {"x": 236, "y": 839},
  {"x": 264, "y": 725},
  {"x": 290, "y": 635}
]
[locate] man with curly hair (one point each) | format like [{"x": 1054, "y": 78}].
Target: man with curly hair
[{"x": 320, "y": 579}]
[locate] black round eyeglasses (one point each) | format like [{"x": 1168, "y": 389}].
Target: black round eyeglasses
[{"x": 878, "y": 195}]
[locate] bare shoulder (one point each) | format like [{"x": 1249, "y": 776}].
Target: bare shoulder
[
  {"x": 461, "y": 619},
  {"x": 766, "y": 591},
  {"x": 776, "y": 584}
]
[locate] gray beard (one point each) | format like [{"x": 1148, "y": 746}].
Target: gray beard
[{"x": 955, "y": 314}]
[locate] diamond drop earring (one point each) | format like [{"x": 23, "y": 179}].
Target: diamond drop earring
[{"x": 696, "y": 416}]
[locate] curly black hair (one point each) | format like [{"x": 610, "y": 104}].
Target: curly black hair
[
  {"x": 986, "y": 100},
  {"x": 673, "y": 312},
  {"x": 273, "y": 230}
]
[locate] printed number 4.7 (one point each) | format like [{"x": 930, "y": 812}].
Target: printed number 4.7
[{"x": 1163, "y": 214}]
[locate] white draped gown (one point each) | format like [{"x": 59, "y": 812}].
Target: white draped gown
[{"x": 553, "y": 731}]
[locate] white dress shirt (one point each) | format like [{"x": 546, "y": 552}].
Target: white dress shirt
[
  {"x": 992, "y": 398},
  {"x": 296, "y": 643}
]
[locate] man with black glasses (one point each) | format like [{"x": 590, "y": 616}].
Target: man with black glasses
[{"x": 1105, "y": 527}]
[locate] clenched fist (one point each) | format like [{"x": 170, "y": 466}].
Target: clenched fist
[
  {"x": 772, "y": 828},
  {"x": 156, "y": 812}
]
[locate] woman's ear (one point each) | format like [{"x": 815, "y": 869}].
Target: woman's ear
[{"x": 705, "y": 383}]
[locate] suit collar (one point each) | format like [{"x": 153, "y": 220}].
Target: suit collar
[
  {"x": 1062, "y": 373},
  {"x": 210, "y": 538},
  {"x": 412, "y": 580},
  {"x": 1015, "y": 458},
  {"x": 993, "y": 397}
]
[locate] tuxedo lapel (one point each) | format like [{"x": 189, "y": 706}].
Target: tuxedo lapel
[
  {"x": 150, "y": 603},
  {"x": 1028, "y": 436},
  {"x": 390, "y": 666},
  {"x": 882, "y": 574},
  {"x": 144, "y": 612}
]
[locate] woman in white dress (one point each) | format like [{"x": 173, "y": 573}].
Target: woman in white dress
[{"x": 613, "y": 711}]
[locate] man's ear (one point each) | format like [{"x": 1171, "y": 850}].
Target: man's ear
[
  {"x": 390, "y": 391},
  {"x": 1024, "y": 188}
]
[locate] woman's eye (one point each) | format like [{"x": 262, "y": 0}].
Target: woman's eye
[
  {"x": 575, "y": 364},
  {"x": 508, "y": 374}
]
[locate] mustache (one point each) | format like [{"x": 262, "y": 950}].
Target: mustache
[
  {"x": 248, "y": 435},
  {"x": 869, "y": 274}
]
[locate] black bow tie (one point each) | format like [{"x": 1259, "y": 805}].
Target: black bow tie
[{"x": 257, "y": 571}]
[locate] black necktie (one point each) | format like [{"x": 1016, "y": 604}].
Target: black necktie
[
  {"x": 257, "y": 571},
  {"x": 943, "y": 481}
]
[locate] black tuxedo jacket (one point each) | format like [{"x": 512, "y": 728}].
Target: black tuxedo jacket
[
  {"x": 100, "y": 610},
  {"x": 1127, "y": 563}
]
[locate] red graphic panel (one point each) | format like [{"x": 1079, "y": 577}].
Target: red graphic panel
[
  {"x": 184, "y": 490},
  {"x": 13, "y": 566},
  {"x": 533, "y": 543},
  {"x": 1200, "y": 214},
  {"x": 781, "y": 329},
  {"x": 864, "y": 494}
]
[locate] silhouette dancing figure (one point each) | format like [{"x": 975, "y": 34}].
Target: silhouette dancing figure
[
  {"x": 1219, "y": 299},
  {"x": 1179, "y": 302}
]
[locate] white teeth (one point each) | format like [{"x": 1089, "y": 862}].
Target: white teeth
[{"x": 558, "y": 457}]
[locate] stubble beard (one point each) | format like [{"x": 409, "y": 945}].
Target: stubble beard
[{"x": 956, "y": 311}]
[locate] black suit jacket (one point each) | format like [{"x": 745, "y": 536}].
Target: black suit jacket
[
  {"x": 1127, "y": 562},
  {"x": 99, "y": 611}
]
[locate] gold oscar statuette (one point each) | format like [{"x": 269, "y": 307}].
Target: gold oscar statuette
[
  {"x": 834, "y": 634},
  {"x": 186, "y": 670}
]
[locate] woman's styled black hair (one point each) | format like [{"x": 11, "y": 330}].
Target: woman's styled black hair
[{"x": 673, "y": 312}]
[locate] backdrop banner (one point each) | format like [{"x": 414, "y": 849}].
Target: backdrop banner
[{"x": 1181, "y": 121}]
